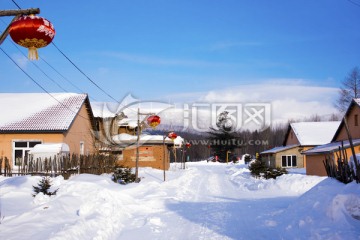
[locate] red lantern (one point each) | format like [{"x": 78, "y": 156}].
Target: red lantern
[
  {"x": 153, "y": 121},
  {"x": 188, "y": 145},
  {"x": 32, "y": 32},
  {"x": 172, "y": 136}
]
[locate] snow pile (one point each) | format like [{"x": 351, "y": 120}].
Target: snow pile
[
  {"x": 204, "y": 201},
  {"x": 330, "y": 210},
  {"x": 293, "y": 184}
]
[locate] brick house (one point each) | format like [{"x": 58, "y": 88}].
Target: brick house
[
  {"x": 117, "y": 134},
  {"x": 29, "y": 119},
  {"x": 299, "y": 137},
  {"x": 317, "y": 155}
]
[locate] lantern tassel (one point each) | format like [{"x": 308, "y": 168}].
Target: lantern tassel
[{"x": 33, "y": 53}]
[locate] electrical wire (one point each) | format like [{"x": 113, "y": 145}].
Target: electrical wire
[
  {"x": 16, "y": 4},
  {"x": 51, "y": 79},
  {"x": 61, "y": 75},
  {"x": 51, "y": 68},
  {"x": 93, "y": 82},
  {"x": 39, "y": 85},
  {"x": 353, "y": 2},
  {"x": 77, "y": 66},
  {"x": 84, "y": 73}
]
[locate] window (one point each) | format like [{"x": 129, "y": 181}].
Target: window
[
  {"x": 82, "y": 149},
  {"x": 288, "y": 161},
  {"x": 21, "y": 149},
  {"x": 32, "y": 144},
  {"x": 356, "y": 120}
]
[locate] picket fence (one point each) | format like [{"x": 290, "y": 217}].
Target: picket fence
[{"x": 60, "y": 165}]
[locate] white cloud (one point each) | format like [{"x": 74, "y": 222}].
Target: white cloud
[
  {"x": 289, "y": 99},
  {"x": 272, "y": 90}
]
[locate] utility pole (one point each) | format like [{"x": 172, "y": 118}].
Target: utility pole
[
  {"x": 138, "y": 132},
  {"x": 17, "y": 14}
]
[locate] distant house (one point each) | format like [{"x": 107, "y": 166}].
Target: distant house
[
  {"x": 117, "y": 134},
  {"x": 317, "y": 155},
  {"x": 299, "y": 137},
  {"x": 29, "y": 119}
]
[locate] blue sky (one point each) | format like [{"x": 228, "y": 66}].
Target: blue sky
[{"x": 182, "y": 51}]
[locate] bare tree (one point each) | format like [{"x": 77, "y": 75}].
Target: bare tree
[{"x": 350, "y": 89}]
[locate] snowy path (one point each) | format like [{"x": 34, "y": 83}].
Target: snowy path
[
  {"x": 202, "y": 203},
  {"x": 205, "y": 201}
]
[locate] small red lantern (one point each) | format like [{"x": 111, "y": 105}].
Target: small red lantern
[
  {"x": 188, "y": 145},
  {"x": 32, "y": 32},
  {"x": 153, "y": 121},
  {"x": 172, "y": 136}
]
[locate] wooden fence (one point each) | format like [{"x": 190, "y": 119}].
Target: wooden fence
[
  {"x": 343, "y": 171},
  {"x": 60, "y": 165}
]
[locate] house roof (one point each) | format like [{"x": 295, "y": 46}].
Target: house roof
[
  {"x": 29, "y": 112},
  {"x": 125, "y": 139},
  {"x": 313, "y": 133},
  {"x": 104, "y": 109},
  {"x": 354, "y": 102},
  {"x": 279, "y": 149},
  {"x": 50, "y": 148},
  {"x": 330, "y": 147}
]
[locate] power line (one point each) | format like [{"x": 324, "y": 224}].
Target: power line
[
  {"x": 84, "y": 73},
  {"x": 81, "y": 70},
  {"x": 77, "y": 66},
  {"x": 81, "y": 91},
  {"x": 353, "y": 2},
  {"x": 61, "y": 75},
  {"x": 16, "y": 4},
  {"x": 39, "y": 85},
  {"x": 41, "y": 70}
]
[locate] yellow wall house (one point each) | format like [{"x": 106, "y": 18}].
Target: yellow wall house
[
  {"x": 117, "y": 134},
  {"x": 28, "y": 119},
  {"x": 300, "y": 137},
  {"x": 316, "y": 156}
]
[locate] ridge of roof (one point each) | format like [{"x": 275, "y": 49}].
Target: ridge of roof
[
  {"x": 354, "y": 101},
  {"x": 279, "y": 149},
  {"x": 314, "y": 133},
  {"x": 39, "y": 111}
]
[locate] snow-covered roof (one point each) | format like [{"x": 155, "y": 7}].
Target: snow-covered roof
[
  {"x": 330, "y": 147},
  {"x": 314, "y": 133},
  {"x": 127, "y": 139},
  {"x": 104, "y": 109},
  {"x": 357, "y": 100},
  {"x": 39, "y": 111},
  {"x": 50, "y": 148},
  {"x": 131, "y": 123},
  {"x": 354, "y": 102},
  {"x": 129, "y": 108},
  {"x": 278, "y": 149}
]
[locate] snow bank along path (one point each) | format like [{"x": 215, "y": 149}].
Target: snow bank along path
[{"x": 204, "y": 201}]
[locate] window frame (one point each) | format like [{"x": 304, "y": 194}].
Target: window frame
[
  {"x": 23, "y": 148},
  {"x": 289, "y": 160}
]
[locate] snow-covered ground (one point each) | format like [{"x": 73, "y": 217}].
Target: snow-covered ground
[{"x": 204, "y": 201}]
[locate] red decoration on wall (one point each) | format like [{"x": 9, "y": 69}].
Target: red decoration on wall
[
  {"x": 153, "y": 121},
  {"x": 172, "y": 135},
  {"x": 188, "y": 145},
  {"x": 32, "y": 32}
]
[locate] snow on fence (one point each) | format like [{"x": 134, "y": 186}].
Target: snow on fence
[{"x": 60, "y": 165}]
